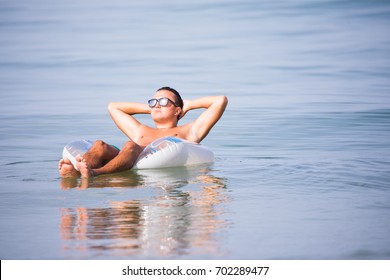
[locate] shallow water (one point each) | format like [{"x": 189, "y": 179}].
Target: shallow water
[{"x": 302, "y": 151}]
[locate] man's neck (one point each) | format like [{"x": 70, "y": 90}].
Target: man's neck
[{"x": 165, "y": 126}]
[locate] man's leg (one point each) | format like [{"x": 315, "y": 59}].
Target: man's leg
[
  {"x": 98, "y": 155},
  {"x": 123, "y": 161}
]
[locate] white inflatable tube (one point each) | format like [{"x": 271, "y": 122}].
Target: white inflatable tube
[
  {"x": 173, "y": 152},
  {"x": 72, "y": 149},
  {"x": 161, "y": 153}
]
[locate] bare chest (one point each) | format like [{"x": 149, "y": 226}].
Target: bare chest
[{"x": 148, "y": 135}]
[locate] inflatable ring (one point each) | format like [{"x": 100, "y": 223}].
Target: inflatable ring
[
  {"x": 161, "y": 153},
  {"x": 173, "y": 152}
]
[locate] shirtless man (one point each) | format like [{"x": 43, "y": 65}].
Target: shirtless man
[{"x": 166, "y": 108}]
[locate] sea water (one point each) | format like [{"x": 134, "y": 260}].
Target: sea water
[{"x": 302, "y": 167}]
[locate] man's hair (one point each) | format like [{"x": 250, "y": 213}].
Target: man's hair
[{"x": 178, "y": 101}]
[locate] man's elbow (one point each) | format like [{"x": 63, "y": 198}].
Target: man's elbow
[
  {"x": 111, "y": 106},
  {"x": 224, "y": 101}
]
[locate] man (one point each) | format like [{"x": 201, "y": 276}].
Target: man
[{"x": 166, "y": 108}]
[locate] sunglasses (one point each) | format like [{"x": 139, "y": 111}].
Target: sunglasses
[{"x": 162, "y": 101}]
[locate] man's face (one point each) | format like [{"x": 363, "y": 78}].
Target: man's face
[{"x": 165, "y": 113}]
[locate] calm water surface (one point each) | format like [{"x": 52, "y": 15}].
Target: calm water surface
[{"x": 302, "y": 166}]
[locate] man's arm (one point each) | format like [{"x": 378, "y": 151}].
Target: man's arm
[
  {"x": 121, "y": 113},
  {"x": 214, "y": 105}
]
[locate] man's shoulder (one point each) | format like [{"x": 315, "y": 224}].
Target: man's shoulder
[{"x": 184, "y": 127}]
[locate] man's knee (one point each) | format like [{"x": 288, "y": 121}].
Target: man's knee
[
  {"x": 131, "y": 147},
  {"x": 100, "y": 146}
]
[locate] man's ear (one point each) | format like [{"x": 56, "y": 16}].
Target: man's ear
[{"x": 178, "y": 111}]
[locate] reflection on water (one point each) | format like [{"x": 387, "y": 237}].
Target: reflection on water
[{"x": 182, "y": 218}]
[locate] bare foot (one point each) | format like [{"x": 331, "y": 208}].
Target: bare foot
[
  {"x": 83, "y": 167},
  {"x": 67, "y": 170}
]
